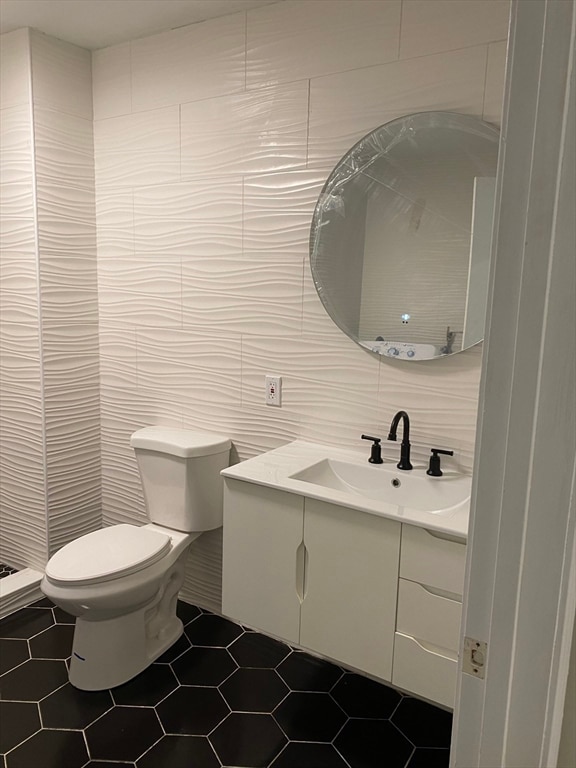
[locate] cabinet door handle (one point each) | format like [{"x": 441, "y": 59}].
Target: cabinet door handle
[{"x": 301, "y": 571}]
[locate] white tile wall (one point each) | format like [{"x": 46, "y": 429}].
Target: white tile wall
[
  {"x": 211, "y": 145},
  {"x": 15, "y": 69}
]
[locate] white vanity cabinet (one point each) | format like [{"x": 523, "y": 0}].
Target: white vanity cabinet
[
  {"x": 378, "y": 595},
  {"x": 313, "y": 573},
  {"x": 429, "y": 611}
]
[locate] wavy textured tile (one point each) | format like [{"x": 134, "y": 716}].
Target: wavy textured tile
[
  {"x": 111, "y": 86},
  {"x": 325, "y": 382},
  {"x": 22, "y": 490},
  {"x": 206, "y": 367},
  {"x": 16, "y": 198},
  {"x": 189, "y": 219},
  {"x": 61, "y": 235},
  {"x": 432, "y": 26},
  {"x": 117, "y": 357},
  {"x": 18, "y": 271},
  {"x": 138, "y": 149},
  {"x": 114, "y": 224},
  {"x": 68, "y": 289},
  {"x": 70, "y": 354},
  {"x": 134, "y": 292},
  {"x": 331, "y": 38},
  {"x": 254, "y": 132},
  {"x": 61, "y": 75},
  {"x": 15, "y": 68},
  {"x": 242, "y": 295},
  {"x": 20, "y": 356},
  {"x": 165, "y": 67},
  {"x": 64, "y": 149},
  {"x": 15, "y": 145},
  {"x": 494, "y": 92},
  {"x": 344, "y": 107},
  {"x": 60, "y": 202},
  {"x": 72, "y": 429}
]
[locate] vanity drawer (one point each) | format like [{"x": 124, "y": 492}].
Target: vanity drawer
[
  {"x": 429, "y": 617},
  {"x": 424, "y": 670},
  {"x": 428, "y": 558}
]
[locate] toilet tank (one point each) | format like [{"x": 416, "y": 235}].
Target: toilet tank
[{"x": 180, "y": 475}]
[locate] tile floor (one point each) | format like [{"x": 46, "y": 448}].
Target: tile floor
[
  {"x": 221, "y": 696},
  {"x": 6, "y": 570}
]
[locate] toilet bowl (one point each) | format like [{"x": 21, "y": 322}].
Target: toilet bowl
[{"x": 122, "y": 582}]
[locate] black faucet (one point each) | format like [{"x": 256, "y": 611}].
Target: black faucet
[{"x": 404, "y": 462}]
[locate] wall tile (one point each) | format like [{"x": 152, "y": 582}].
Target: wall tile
[
  {"x": 117, "y": 357},
  {"x": 14, "y": 68},
  {"x": 193, "y": 62},
  {"x": 20, "y": 357},
  {"x": 16, "y": 145},
  {"x": 114, "y": 223},
  {"x": 61, "y": 75},
  {"x": 495, "y": 74},
  {"x": 254, "y": 132},
  {"x": 205, "y": 367},
  {"x": 134, "y": 292},
  {"x": 298, "y": 39},
  {"x": 278, "y": 212},
  {"x": 138, "y": 149},
  {"x": 65, "y": 203},
  {"x": 240, "y": 296},
  {"x": 432, "y": 26},
  {"x": 68, "y": 288},
  {"x": 16, "y": 200},
  {"x": 70, "y": 355},
  {"x": 64, "y": 149},
  {"x": 18, "y": 271},
  {"x": 189, "y": 219},
  {"x": 345, "y": 107},
  {"x": 111, "y": 86}
]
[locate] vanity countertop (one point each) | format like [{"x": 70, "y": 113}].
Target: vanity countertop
[{"x": 275, "y": 469}]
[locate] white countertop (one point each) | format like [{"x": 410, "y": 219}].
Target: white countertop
[{"x": 274, "y": 469}]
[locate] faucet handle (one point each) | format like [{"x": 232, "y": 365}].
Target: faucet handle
[
  {"x": 434, "y": 465},
  {"x": 376, "y": 451}
]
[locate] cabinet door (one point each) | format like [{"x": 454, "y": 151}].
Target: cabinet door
[
  {"x": 261, "y": 542},
  {"x": 351, "y": 580}
]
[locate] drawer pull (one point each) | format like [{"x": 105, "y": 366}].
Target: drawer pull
[
  {"x": 301, "y": 571},
  {"x": 439, "y": 592},
  {"x": 436, "y": 649},
  {"x": 446, "y": 536}
]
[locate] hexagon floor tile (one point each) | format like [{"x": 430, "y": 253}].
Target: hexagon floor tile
[{"x": 221, "y": 696}]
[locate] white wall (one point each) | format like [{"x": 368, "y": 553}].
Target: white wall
[
  {"x": 211, "y": 144},
  {"x": 50, "y": 454}
]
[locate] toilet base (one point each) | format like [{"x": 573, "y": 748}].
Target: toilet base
[{"x": 111, "y": 652}]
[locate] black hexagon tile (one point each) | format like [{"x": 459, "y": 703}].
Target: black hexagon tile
[
  {"x": 204, "y": 666},
  {"x": 212, "y": 631},
  {"x": 19, "y": 720},
  {"x": 222, "y": 695},
  {"x": 123, "y": 733},
  {"x": 33, "y": 680},
  {"x": 180, "y": 752},
  {"x": 248, "y": 740},
  {"x": 253, "y": 690},
  {"x": 12, "y": 654},
  {"x": 310, "y": 716},
  {"x": 361, "y": 697},
  {"x": 367, "y": 743},
  {"x": 255, "y": 650},
  {"x": 302, "y": 672},
  {"x": 72, "y": 709},
  {"x": 148, "y": 688},
  {"x": 423, "y": 724},
  {"x": 192, "y": 710},
  {"x": 53, "y": 643},
  {"x": 50, "y": 749}
]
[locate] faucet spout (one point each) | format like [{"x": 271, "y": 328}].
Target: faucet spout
[{"x": 404, "y": 462}]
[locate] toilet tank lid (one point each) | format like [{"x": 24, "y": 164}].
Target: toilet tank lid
[{"x": 185, "y": 443}]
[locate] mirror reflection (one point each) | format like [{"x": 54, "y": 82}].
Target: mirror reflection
[{"x": 400, "y": 240}]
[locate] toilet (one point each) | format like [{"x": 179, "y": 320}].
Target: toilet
[{"x": 122, "y": 582}]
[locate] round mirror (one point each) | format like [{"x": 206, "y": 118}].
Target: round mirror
[{"x": 400, "y": 240}]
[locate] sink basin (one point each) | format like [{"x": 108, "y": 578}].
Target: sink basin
[{"x": 385, "y": 483}]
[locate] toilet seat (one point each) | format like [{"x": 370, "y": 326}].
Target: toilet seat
[{"x": 107, "y": 554}]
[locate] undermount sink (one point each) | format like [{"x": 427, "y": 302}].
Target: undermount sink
[{"x": 385, "y": 483}]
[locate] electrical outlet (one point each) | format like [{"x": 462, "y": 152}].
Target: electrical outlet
[{"x": 273, "y": 385}]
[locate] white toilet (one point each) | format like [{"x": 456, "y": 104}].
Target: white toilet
[{"x": 122, "y": 582}]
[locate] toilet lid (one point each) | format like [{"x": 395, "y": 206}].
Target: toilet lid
[{"x": 107, "y": 554}]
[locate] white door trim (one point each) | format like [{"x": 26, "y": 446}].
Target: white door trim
[{"x": 519, "y": 597}]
